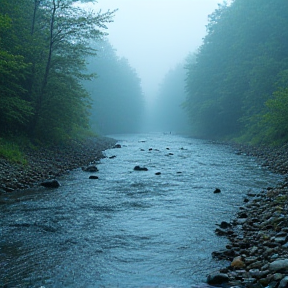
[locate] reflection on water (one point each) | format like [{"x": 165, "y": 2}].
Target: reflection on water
[{"x": 128, "y": 228}]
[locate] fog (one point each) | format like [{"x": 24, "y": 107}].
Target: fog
[{"x": 156, "y": 35}]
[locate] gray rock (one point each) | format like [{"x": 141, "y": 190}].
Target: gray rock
[
  {"x": 50, "y": 184},
  {"x": 284, "y": 282},
  {"x": 217, "y": 278},
  {"x": 138, "y": 168},
  {"x": 279, "y": 265},
  {"x": 90, "y": 168},
  {"x": 225, "y": 225},
  {"x": 278, "y": 276},
  {"x": 93, "y": 177},
  {"x": 281, "y": 240}
]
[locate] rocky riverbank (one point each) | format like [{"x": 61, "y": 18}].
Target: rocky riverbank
[
  {"x": 258, "y": 248},
  {"x": 50, "y": 162}
]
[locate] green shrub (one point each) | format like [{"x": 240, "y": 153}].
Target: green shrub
[{"x": 11, "y": 151}]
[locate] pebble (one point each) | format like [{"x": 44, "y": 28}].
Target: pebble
[
  {"x": 260, "y": 230},
  {"x": 46, "y": 163}
]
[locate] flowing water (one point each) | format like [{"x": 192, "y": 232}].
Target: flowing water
[{"x": 128, "y": 228}]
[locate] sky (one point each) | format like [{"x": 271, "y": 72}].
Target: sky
[{"x": 156, "y": 35}]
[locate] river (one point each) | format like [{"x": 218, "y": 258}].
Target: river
[{"x": 129, "y": 228}]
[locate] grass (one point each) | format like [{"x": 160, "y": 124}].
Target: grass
[{"x": 11, "y": 151}]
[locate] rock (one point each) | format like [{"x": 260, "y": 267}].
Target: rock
[
  {"x": 112, "y": 157},
  {"x": 217, "y": 279},
  {"x": 50, "y": 183},
  {"x": 224, "y": 254},
  {"x": 225, "y": 225},
  {"x": 284, "y": 282},
  {"x": 117, "y": 146},
  {"x": 279, "y": 265},
  {"x": 90, "y": 168},
  {"x": 138, "y": 168},
  {"x": 93, "y": 177},
  {"x": 220, "y": 232},
  {"x": 242, "y": 215},
  {"x": 281, "y": 240},
  {"x": 238, "y": 262},
  {"x": 217, "y": 190},
  {"x": 277, "y": 276}
]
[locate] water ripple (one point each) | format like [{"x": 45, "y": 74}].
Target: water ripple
[{"x": 128, "y": 228}]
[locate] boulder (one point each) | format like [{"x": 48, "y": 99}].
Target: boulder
[
  {"x": 90, "y": 168},
  {"x": 50, "y": 183},
  {"x": 284, "y": 282},
  {"x": 225, "y": 225},
  {"x": 138, "y": 168},
  {"x": 217, "y": 279},
  {"x": 93, "y": 177},
  {"x": 279, "y": 265},
  {"x": 217, "y": 190},
  {"x": 220, "y": 232},
  {"x": 117, "y": 146},
  {"x": 238, "y": 262}
]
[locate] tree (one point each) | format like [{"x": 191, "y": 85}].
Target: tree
[
  {"x": 15, "y": 110},
  {"x": 70, "y": 29},
  {"x": 276, "y": 118},
  {"x": 236, "y": 68},
  {"x": 43, "y": 49},
  {"x": 116, "y": 92},
  {"x": 168, "y": 112}
]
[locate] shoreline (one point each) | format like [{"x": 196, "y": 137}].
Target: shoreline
[
  {"x": 45, "y": 163},
  {"x": 258, "y": 233}
]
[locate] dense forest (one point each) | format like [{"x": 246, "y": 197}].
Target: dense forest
[
  {"x": 238, "y": 86},
  {"x": 43, "y": 45},
  {"x": 44, "y": 49},
  {"x": 116, "y": 93}
]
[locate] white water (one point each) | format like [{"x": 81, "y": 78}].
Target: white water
[{"x": 129, "y": 228}]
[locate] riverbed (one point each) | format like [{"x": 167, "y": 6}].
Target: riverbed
[{"x": 129, "y": 228}]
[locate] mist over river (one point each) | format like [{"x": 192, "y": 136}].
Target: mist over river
[{"x": 129, "y": 228}]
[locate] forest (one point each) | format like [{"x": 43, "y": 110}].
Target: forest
[
  {"x": 115, "y": 90},
  {"x": 49, "y": 93},
  {"x": 167, "y": 113},
  {"x": 61, "y": 78},
  {"x": 238, "y": 86}
]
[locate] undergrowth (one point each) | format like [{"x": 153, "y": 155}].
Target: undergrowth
[{"x": 11, "y": 151}]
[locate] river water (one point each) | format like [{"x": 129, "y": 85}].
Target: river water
[{"x": 129, "y": 228}]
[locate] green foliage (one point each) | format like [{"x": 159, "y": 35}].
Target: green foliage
[
  {"x": 11, "y": 151},
  {"x": 64, "y": 109},
  {"x": 43, "y": 46},
  {"x": 276, "y": 117},
  {"x": 236, "y": 68},
  {"x": 15, "y": 111}
]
